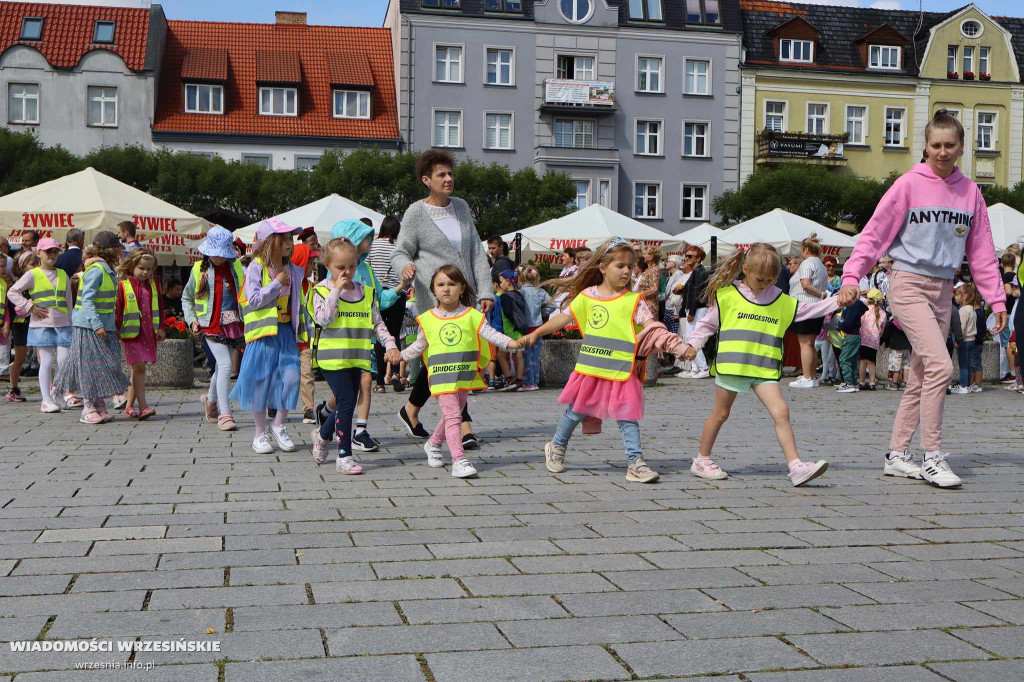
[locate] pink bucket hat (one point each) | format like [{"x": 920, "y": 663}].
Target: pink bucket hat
[
  {"x": 274, "y": 226},
  {"x": 46, "y": 244}
]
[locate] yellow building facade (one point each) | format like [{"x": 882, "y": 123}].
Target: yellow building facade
[{"x": 856, "y": 95}]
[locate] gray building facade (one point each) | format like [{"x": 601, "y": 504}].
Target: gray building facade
[{"x": 636, "y": 100}]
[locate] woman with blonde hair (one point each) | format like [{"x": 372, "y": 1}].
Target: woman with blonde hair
[{"x": 808, "y": 286}]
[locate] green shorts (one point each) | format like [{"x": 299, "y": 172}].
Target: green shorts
[{"x": 738, "y": 384}]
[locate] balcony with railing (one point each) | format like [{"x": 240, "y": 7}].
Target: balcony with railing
[
  {"x": 775, "y": 147},
  {"x": 562, "y": 96}
]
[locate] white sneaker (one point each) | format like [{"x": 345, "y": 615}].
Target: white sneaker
[
  {"x": 347, "y": 465},
  {"x": 847, "y": 388},
  {"x": 804, "y": 382},
  {"x": 901, "y": 465},
  {"x": 463, "y": 468},
  {"x": 974, "y": 388},
  {"x": 959, "y": 390},
  {"x": 937, "y": 472},
  {"x": 280, "y": 434},
  {"x": 261, "y": 444},
  {"x": 120, "y": 401},
  {"x": 434, "y": 458},
  {"x": 49, "y": 407},
  {"x": 700, "y": 374}
]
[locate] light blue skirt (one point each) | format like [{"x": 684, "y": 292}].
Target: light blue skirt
[
  {"x": 49, "y": 336},
  {"x": 269, "y": 375}
]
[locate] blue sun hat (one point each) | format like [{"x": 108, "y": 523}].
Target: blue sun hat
[{"x": 218, "y": 244}]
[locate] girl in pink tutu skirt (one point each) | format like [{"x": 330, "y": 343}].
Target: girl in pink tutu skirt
[{"x": 615, "y": 328}]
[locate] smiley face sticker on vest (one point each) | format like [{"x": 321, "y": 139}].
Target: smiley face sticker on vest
[
  {"x": 598, "y": 317},
  {"x": 451, "y": 334}
]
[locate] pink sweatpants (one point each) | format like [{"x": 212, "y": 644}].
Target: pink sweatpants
[
  {"x": 450, "y": 426},
  {"x": 923, "y": 306}
]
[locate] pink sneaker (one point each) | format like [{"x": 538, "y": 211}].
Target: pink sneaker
[
  {"x": 347, "y": 465},
  {"x": 319, "y": 448},
  {"x": 802, "y": 472},
  {"x": 705, "y": 467}
]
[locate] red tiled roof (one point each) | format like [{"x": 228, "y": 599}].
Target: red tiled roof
[
  {"x": 242, "y": 42},
  {"x": 349, "y": 68},
  {"x": 278, "y": 67},
  {"x": 68, "y": 31},
  {"x": 205, "y": 63}
]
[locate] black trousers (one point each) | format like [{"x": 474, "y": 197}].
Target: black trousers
[
  {"x": 421, "y": 392},
  {"x": 393, "y": 318}
]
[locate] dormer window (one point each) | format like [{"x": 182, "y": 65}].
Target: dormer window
[
  {"x": 884, "y": 57},
  {"x": 103, "y": 32},
  {"x": 31, "y": 28},
  {"x": 645, "y": 10},
  {"x": 204, "y": 99},
  {"x": 576, "y": 11},
  {"x": 703, "y": 12},
  {"x": 971, "y": 28},
  {"x": 441, "y": 4},
  {"x": 796, "y": 50}
]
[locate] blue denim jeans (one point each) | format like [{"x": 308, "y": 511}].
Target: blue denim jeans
[
  {"x": 963, "y": 358},
  {"x": 630, "y": 431},
  {"x": 531, "y": 357},
  {"x": 976, "y": 356}
]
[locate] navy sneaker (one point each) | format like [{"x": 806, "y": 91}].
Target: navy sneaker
[
  {"x": 321, "y": 413},
  {"x": 470, "y": 442},
  {"x": 363, "y": 443},
  {"x": 415, "y": 431}
]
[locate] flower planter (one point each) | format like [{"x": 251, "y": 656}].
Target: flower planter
[
  {"x": 173, "y": 366},
  {"x": 558, "y": 357}
]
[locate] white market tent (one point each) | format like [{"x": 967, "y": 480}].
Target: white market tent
[
  {"x": 701, "y": 236},
  {"x": 321, "y": 215},
  {"x": 785, "y": 231},
  {"x": 1007, "y": 226},
  {"x": 590, "y": 227},
  {"x": 91, "y": 201}
]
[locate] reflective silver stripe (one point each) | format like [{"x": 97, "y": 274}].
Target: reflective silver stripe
[
  {"x": 130, "y": 316},
  {"x": 747, "y": 359},
  {"x": 46, "y": 304},
  {"x": 343, "y": 354},
  {"x": 44, "y": 293},
  {"x": 265, "y": 322},
  {"x": 448, "y": 358},
  {"x": 751, "y": 336},
  {"x": 451, "y": 377},
  {"x": 604, "y": 363},
  {"x": 346, "y": 333},
  {"x": 609, "y": 344}
]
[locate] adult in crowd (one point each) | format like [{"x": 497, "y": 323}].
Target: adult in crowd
[
  {"x": 497, "y": 254},
  {"x": 126, "y": 230},
  {"x": 833, "y": 282},
  {"x": 569, "y": 266},
  {"x": 71, "y": 260},
  {"x": 380, "y": 259},
  {"x": 309, "y": 238},
  {"x": 29, "y": 240},
  {"x": 673, "y": 302},
  {"x": 695, "y": 305},
  {"x": 785, "y": 273},
  {"x": 439, "y": 230},
  {"x": 5, "y": 252},
  {"x": 647, "y": 285},
  {"x": 172, "y": 297},
  {"x": 1007, "y": 366},
  {"x": 808, "y": 286},
  {"x": 583, "y": 254}
]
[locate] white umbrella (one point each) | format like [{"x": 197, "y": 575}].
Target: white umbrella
[
  {"x": 321, "y": 215},
  {"x": 1007, "y": 226},
  {"x": 91, "y": 201},
  {"x": 785, "y": 231},
  {"x": 590, "y": 227}
]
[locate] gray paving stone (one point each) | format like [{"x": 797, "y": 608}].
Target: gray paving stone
[
  {"x": 1014, "y": 586},
  {"x": 582, "y": 563},
  {"x": 1011, "y": 611},
  {"x": 601, "y": 630},
  {"x": 391, "y": 668},
  {"x": 908, "y": 616},
  {"x": 779, "y": 597},
  {"x": 203, "y": 672},
  {"x": 315, "y": 616},
  {"x": 873, "y": 648},
  {"x": 712, "y": 656},
  {"x": 752, "y": 624},
  {"x": 989, "y": 671},
  {"x": 1007, "y": 642},
  {"x": 710, "y": 559},
  {"x": 387, "y": 590},
  {"x": 143, "y": 623},
  {"x": 207, "y": 597},
  {"x": 71, "y": 603},
  {"x": 741, "y": 541},
  {"x": 148, "y": 580},
  {"x": 480, "y": 609},
  {"x": 443, "y": 568},
  {"x": 166, "y": 545},
  {"x": 121, "y": 533},
  {"x": 963, "y": 550},
  {"x": 290, "y": 575},
  {"x": 840, "y": 555},
  {"x": 21, "y": 628},
  {"x": 489, "y": 586},
  {"x": 643, "y": 602},
  {"x": 252, "y": 646},
  {"x": 45, "y": 584},
  {"x": 559, "y": 663},
  {"x": 815, "y": 574},
  {"x": 265, "y": 557},
  {"x": 414, "y": 639},
  {"x": 365, "y": 554},
  {"x": 927, "y": 591},
  {"x": 678, "y": 578},
  {"x": 945, "y": 570},
  {"x": 902, "y": 673},
  {"x": 468, "y": 550}
]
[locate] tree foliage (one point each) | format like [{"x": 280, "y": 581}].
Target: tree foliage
[
  {"x": 1012, "y": 197},
  {"x": 501, "y": 200}
]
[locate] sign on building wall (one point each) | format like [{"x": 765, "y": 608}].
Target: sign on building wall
[{"x": 579, "y": 92}]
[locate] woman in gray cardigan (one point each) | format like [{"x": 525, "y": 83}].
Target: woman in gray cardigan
[{"x": 436, "y": 231}]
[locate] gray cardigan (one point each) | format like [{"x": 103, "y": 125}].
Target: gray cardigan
[{"x": 421, "y": 243}]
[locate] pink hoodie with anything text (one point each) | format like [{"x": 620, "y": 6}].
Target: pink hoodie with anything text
[{"x": 927, "y": 224}]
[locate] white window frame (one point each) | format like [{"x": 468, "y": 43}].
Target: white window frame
[
  {"x": 686, "y": 64},
  {"x": 511, "y": 130},
  {"x": 981, "y": 28},
  {"x": 604, "y": 192},
  {"x": 575, "y": 68},
  {"x": 792, "y": 42},
  {"x": 582, "y": 20},
  {"x": 23, "y": 99},
  {"x": 284, "y": 91},
  {"x": 706, "y": 199},
  {"x": 199, "y": 86},
  {"x": 707, "y": 139},
  {"x": 903, "y": 127},
  {"x": 304, "y": 157},
  {"x": 461, "y": 47},
  {"x": 462, "y": 126},
  {"x": 251, "y": 157},
  {"x": 825, "y": 127},
  {"x": 785, "y": 114},
  {"x": 985, "y": 54},
  {"x": 511, "y": 70},
  {"x": 661, "y": 136},
  {"x": 661, "y": 73},
  {"x": 994, "y": 137},
  {"x": 864, "y": 123},
  {"x": 659, "y": 198},
  {"x": 967, "y": 56},
  {"x": 877, "y": 51},
  {"x": 583, "y": 133},
  {"x": 103, "y": 108},
  {"x": 955, "y": 56},
  {"x": 344, "y": 113},
  {"x": 576, "y": 201}
]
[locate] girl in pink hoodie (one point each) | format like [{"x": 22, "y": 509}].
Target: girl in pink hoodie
[{"x": 928, "y": 220}]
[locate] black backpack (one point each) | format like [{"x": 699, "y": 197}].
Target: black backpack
[{"x": 513, "y": 306}]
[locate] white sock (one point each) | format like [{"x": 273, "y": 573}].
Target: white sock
[
  {"x": 360, "y": 426},
  {"x": 934, "y": 454},
  {"x": 895, "y": 454}
]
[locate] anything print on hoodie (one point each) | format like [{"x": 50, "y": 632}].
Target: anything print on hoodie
[
  {"x": 356, "y": 231},
  {"x": 927, "y": 224}
]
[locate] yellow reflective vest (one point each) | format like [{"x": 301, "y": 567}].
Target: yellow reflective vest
[
  {"x": 200, "y": 304},
  {"x": 608, "y": 350},
  {"x": 347, "y": 342},
  {"x": 44, "y": 295},
  {"x": 106, "y": 297},
  {"x": 259, "y": 322},
  {"x": 455, "y": 352},
  {"x": 131, "y": 316},
  {"x": 750, "y": 335}
]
